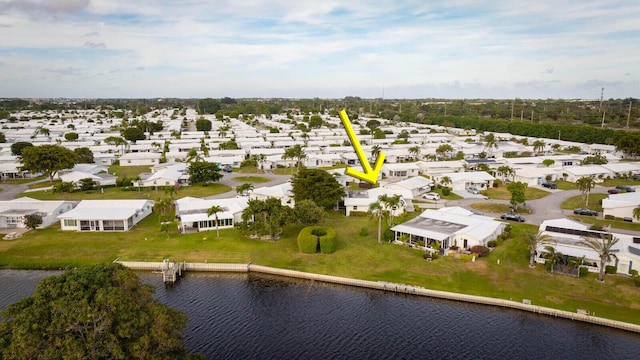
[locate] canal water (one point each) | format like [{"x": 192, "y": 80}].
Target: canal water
[{"x": 249, "y": 316}]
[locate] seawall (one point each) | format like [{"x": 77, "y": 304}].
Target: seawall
[{"x": 385, "y": 286}]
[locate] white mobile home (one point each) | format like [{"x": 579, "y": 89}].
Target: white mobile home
[{"x": 106, "y": 215}]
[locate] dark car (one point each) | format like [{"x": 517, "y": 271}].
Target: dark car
[
  {"x": 512, "y": 217},
  {"x": 613, "y": 191},
  {"x": 585, "y": 211},
  {"x": 625, "y": 188},
  {"x": 550, "y": 185}
]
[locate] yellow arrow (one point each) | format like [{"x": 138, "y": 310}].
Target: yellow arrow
[{"x": 369, "y": 175}]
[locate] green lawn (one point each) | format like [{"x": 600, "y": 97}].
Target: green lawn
[
  {"x": 129, "y": 171},
  {"x": 356, "y": 257},
  {"x": 614, "y": 224},
  {"x": 501, "y": 193},
  {"x": 131, "y": 193},
  {"x": 595, "y": 202},
  {"x": 250, "y": 179},
  {"x": 285, "y": 171},
  {"x": 616, "y": 182},
  {"x": 566, "y": 185},
  {"x": 24, "y": 181}
]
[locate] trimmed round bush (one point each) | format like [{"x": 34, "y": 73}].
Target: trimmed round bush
[
  {"x": 307, "y": 242},
  {"x": 480, "y": 250},
  {"x": 446, "y": 192},
  {"x": 492, "y": 243}
]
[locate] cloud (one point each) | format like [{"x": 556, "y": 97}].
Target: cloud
[
  {"x": 44, "y": 7},
  {"x": 91, "y": 44}
]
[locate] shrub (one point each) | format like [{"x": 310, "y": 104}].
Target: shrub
[
  {"x": 636, "y": 281},
  {"x": 432, "y": 256},
  {"x": 492, "y": 243},
  {"x": 596, "y": 227},
  {"x": 609, "y": 269},
  {"x": 633, "y": 272},
  {"x": 387, "y": 235},
  {"x": 363, "y": 232},
  {"x": 307, "y": 242},
  {"x": 583, "y": 271},
  {"x": 446, "y": 192},
  {"x": 609, "y": 217},
  {"x": 480, "y": 250}
]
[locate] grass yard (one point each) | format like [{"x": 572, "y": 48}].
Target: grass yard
[
  {"x": 595, "y": 202},
  {"x": 616, "y": 182},
  {"x": 131, "y": 193},
  {"x": 566, "y": 185},
  {"x": 129, "y": 171},
  {"x": 285, "y": 171},
  {"x": 614, "y": 224},
  {"x": 250, "y": 179},
  {"x": 24, "y": 181},
  {"x": 356, "y": 256},
  {"x": 501, "y": 193},
  {"x": 492, "y": 208}
]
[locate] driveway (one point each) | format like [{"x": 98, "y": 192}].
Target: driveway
[{"x": 228, "y": 180}]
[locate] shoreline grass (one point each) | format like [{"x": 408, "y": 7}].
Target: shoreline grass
[{"x": 357, "y": 257}]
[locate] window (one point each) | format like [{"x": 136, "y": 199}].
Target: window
[
  {"x": 69, "y": 222},
  {"x": 355, "y": 208}
]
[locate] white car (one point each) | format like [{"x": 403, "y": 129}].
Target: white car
[{"x": 431, "y": 196}]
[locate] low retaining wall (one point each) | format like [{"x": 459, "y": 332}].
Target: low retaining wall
[{"x": 399, "y": 288}]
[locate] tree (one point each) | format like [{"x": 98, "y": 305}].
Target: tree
[
  {"x": 317, "y": 185},
  {"x": 490, "y": 142},
  {"x": 261, "y": 159},
  {"x": 297, "y": 152},
  {"x": 378, "y": 212},
  {"x": 133, "y": 134},
  {"x": 95, "y": 312},
  {"x": 390, "y": 204},
  {"x": 48, "y": 159},
  {"x": 538, "y": 146},
  {"x": 208, "y": 106},
  {"x": 244, "y": 188},
  {"x": 214, "y": 210},
  {"x": 315, "y": 121},
  {"x": 17, "y": 147},
  {"x": 585, "y": 184},
  {"x": 203, "y": 124},
  {"x": 117, "y": 141},
  {"x": 414, "y": 151},
  {"x": 373, "y": 124},
  {"x": 548, "y": 162},
  {"x": 445, "y": 181},
  {"x": 84, "y": 154},
  {"x": 379, "y": 134},
  {"x": 517, "y": 190},
  {"x": 444, "y": 150},
  {"x": 204, "y": 172},
  {"x": 535, "y": 240},
  {"x": 307, "y": 212},
  {"x": 604, "y": 247},
  {"x": 505, "y": 171},
  {"x": 375, "y": 151},
  {"x": 596, "y": 159},
  {"x": 636, "y": 212},
  {"x": 552, "y": 257},
  {"x": 266, "y": 217},
  {"x": 32, "y": 221},
  {"x": 71, "y": 136},
  {"x": 3, "y": 138},
  {"x": 194, "y": 155}
]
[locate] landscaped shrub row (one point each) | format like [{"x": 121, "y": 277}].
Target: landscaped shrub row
[
  {"x": 609, "y": 269},
  {"x": 307, "y": 242},
  {"x": 636, "y": 281}
]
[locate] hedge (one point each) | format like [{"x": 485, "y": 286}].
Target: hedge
[
  {"x": 307, "y": 242},
  {"x": 609, "y": 269}
]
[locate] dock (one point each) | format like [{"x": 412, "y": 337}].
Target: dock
[{"x": 171, "y": 271}]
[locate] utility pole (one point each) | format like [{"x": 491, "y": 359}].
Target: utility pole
[
  {"x": 531, "y": 116},
  {"x": 629, "y": 114},
  {"x": 512, "y": 104},
  {"x": 521, "y": 115},
  {"x": 603, "y": 113},
  {"x": 601, "y": 98}
]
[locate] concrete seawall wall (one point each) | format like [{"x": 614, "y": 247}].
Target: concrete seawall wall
[{"x": 398, "y": 288}]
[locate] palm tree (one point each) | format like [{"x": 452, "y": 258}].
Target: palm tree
[
  {"x": 375, "y": 151},
  {"x": 636, "y": 213},
  {"x": 390, "y": 203},
  {"x": 414, "y": 151},
  {"x": 377, "y": 211},
  {"x": 603, "y": 246},
  {"x": 288, "y": 154},
  {"x": 490, "y": 143},
  {"x": 552, "y": 256},
  {"x": 538, "y": 146},
  {"x": 244, "y": 188},
  {"x": 535, "y": 240},
  {"x": 444, "y": 150},
  {"x": 194, "y": 156},
  {"x": 116, "y": 141},
  {"x": 260, "y": 159},
  {"x": 505, "y": 171},
  {"x": 445, "y": 180},
  {"x": 214, "y": 210},
  {"x": 298, "y": 153},
  {"x": 585, "y": 184}
]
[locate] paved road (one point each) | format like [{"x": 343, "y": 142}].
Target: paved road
[
  {"x": 10, "y": 192},
  {"x": 228, "y": 180}
]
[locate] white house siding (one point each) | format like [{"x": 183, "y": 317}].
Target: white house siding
[{"x": 106, "y": 215}]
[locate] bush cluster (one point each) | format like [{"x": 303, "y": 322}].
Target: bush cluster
[
  {"x": 636, "y": 281},
  {"x": 583, "y": 271},
  {"x": 610, "y": 269},
  {"x": 446, "y": 192},
  {"x": 429, "y": 255},
  {"x": 633, "y": 272},
  {"x": 307, "y": 242},
  {"x": 480, "y": 250},
  {"x": 492, "y": 243}
]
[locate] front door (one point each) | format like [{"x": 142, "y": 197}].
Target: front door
[{"x": 94, "y": 225}]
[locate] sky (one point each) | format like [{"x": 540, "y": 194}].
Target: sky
[{"x": 455, "y": 49}]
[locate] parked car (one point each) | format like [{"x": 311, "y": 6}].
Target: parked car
[
  {"x": 636, "y": 176},
  {"x": 613, "y": 191},
  {"x": 473, "y": 190},
  {"x": 625, "y": 188},
  {"x": 228, "y": 168},
  {"x": 512, "y": 217},
  {"x": 431, "y": 196},
  {"x": 550, "y": 185},
  {"x": 585, "y": 211}
]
